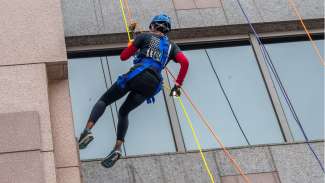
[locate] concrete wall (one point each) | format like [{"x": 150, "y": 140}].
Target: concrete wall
[
  {"x": 104, "y": 16},
  {"x": 288, "y": 163}
]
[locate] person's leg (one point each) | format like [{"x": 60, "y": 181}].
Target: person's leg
[
  {"x": 111, "y": 95},
  {"x": 132, "y": 101},
  {"x": 142, "y": 87}
]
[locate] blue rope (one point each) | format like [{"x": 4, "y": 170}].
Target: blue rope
[
  {"x": 267, "y": 57},
  {"x": 226, "y": 96}
]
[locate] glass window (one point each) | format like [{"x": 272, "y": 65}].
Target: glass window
[
  {"x": 243, "y": 84},
  {"x": 149, "y": 129},
  {"x": 303, "y": 78},
  {"x": 87, "y": 84}
]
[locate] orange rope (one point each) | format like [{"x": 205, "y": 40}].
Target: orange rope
[
  {"x": 126, "y": 2},
  {"x": 130, "y": 19},
  {"x": 216, "y": 137},
  {"x": 233, "y": 161},
  {"x": 293, "y": 5}
]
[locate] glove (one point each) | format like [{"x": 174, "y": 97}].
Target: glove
[
  {"x": 133, "y": 26},
  {"x": 175, "y": 91}
]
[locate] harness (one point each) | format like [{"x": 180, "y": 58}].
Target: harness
[{"x": 155, "y": 57}]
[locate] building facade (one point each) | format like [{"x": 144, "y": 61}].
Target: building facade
[{"x": 58, "y": 57}]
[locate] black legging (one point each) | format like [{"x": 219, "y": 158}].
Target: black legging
[{"x": 140, "y": 88}]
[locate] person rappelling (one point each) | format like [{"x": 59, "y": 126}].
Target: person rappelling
[{"x": 153, "y": 51}]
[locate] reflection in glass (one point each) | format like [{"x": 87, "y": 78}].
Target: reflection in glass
[
  {"x": 149, "y": 129},
  {"x": 87, "y": 84},
  {"x": 243, "y": 84},
  {"x": 303, "y": 78}
]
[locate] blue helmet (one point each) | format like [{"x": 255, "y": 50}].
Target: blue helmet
[{"x": 162, "y": 19}]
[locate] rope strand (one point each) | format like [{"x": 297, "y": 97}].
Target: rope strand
[
  {"x": 295, "y": 9},
  {"x": 226, "y": 96},
  {"x": 212, "y": 131},
  {"x": 269, "y": 61},
  {"x": 196, "y": 139},
  {"x": 124, "y": 20},
  {"x": 232, "y": 160}
]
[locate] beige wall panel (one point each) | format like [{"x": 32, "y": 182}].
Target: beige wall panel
[
  {"x": 31, "y": 32},
  {"x": 19, "y": 132},
  {"x": 65, "y": 148},
  {"x": 68, "y": 175},
  {"x": 21, "y": 167},
  {"x": 49, "y": 170},
  {"x": 24, "y": 88}
]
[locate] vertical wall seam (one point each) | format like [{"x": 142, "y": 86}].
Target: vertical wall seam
[
  {"x": 101, "y": 13},
  {"x": 224, "y": 11},
  {"x": 176, "y": 14},
  {"x": 215, "y": 153},
  {"x": 97, "y": 21},
  {"x": 274, "y": 164}
]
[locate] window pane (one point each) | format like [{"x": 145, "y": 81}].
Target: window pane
[
  {"x": 243, "y": 83},
  {"x": 87, "y": 84},
  {"x": 149, "y": 128},
  {"x": 303, "y": 78},
  {"x": 240, "y": 77}
]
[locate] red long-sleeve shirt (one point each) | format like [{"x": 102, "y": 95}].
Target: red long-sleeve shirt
[{"x": 179, "y": 58}]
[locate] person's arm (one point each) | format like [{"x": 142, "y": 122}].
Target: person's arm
[
  {"x": 128, "y": 51},
  {"x": 182, "y": 60},
  {"x": 133, "y": 46}
]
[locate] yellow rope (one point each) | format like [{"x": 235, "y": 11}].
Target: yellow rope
[
  {"x": 124, "y": 20},
  {"x": 189, "y": 122},
  {"x": 180, "y": 102},
  {"x": 196, "y": 139}
]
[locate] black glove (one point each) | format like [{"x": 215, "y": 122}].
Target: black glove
[{"x": 175, "y": 91}]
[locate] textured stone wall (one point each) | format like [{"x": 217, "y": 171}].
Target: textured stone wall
[
  {"x": 104, "y": 16},
  {"x": 65, "y": 147},
  {"x": 31, "y": 32},
  {"x": 24, "y": 88},
  {"x": 289, "y": 163},
  {"x": 32, "y": 36}
]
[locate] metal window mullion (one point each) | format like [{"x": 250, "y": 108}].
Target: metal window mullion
[
  {"x": 174, "y": 121},
  {"x": 275, "y": 100},
  {"x": 114, "y": 110}
]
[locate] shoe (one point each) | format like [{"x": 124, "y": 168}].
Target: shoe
[
  {"x": 111, "y": 159},
  {"x": 85, "y": 138}
]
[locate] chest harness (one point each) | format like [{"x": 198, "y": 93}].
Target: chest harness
[{"x": 154, "y": 56}]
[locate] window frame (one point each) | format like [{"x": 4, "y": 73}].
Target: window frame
[{"x": 215, "y": 42}]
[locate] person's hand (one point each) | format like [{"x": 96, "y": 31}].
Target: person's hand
[
  {"x": 175, "y": 91},
  {"x": 133, "y": 26}
]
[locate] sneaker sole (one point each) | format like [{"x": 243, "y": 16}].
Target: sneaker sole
[
  {"x": 108, "y": 163},
  {"x": 85, "y": 141}
]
